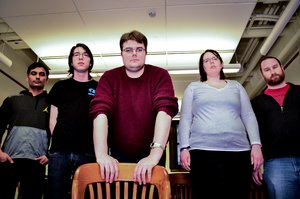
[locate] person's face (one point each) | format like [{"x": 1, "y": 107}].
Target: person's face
[
  {"x": 272, "y": 72},
  {"x": 81, "y": 60},
  {"x": 212, "y": 64},
  {"x": 134, "y": 56},
  {"x": 37, "y": 78}
]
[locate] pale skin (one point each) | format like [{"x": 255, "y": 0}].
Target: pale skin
[
  {"x": 36, "y": 79},
  {"x": 270, "y": 68},
  {"x": 134, "y": 65},
  {"x": 212, "y": 68}
]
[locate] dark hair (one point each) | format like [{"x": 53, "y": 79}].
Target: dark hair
[
  {"x": 203, "y": 76},
  {"x": 135, "y": 36},
  {"x": 36, "y": 65},
  {"x": 71, "y": 68},
  {"x": 268, "y": 57}
]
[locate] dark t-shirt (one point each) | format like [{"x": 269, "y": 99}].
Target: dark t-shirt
[{"x": 73, "y": 131}]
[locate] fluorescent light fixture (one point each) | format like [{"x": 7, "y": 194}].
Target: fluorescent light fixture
[
  {"x": 5, "y": 60},
  {"x": 66, "y": 75}
]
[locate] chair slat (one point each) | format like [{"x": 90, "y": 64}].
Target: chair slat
[
  {"x": 144, "y": 191},
  {"x": 91, "y": 190},
  {"x": 99, "y": 191},
  {"x": 107, "y": 185},
  {"x": 125, "y": 190},
  {"x": 134, "y": 192},
  {"x": 151, "y": 191},
  {"x": 117, "y": 190}
]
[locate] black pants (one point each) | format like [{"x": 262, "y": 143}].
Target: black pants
[
  {"x": 31, "y": 175},
  {"x": 218, "y": 174}
]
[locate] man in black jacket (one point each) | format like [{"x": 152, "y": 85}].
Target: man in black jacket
[
  {"x": 23, "y": 154},
  {"x": 277, "y": 110}
]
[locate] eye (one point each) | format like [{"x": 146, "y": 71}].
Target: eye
[
  {"x": 33, "y": 73},
  {"x": 128, "y": 50},
  {"x": 76, "y": 54},
  {"x": 42, "y": 74},
  {"x": 139, "y": 49},
  {"x": 85, "y": 54}
]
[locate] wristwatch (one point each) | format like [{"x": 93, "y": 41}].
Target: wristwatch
[{"x": 155, "y": 145}]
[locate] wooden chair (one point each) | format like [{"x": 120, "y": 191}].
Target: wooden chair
[
  {"x": 88, "y": 175},
  {"x": 181, "y": 186}
]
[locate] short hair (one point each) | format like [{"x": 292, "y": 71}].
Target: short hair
[
  {"x": 135, "y": 36},
  {"x": 71, "y": 68},
  {"x": 268, "y": 57},
  {"x": 203, "y": 76},
  {"x": 37, "y": 65}
]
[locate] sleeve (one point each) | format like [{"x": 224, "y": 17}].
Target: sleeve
[
  {"x": 5, "y": 111},
  {"x": 186, "y": 117},
  {"x": 164, "y": 95},
  {"x": 248, "y": 117},
  {"x": 103, "y": 102},
  {"x": 54, "y": 95}
]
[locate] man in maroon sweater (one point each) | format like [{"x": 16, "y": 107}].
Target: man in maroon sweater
[{"x": 132, "y": 112}]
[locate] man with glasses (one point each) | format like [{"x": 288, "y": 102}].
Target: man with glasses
[
  {"x": 70, "y": 125},
  {"x": 23, "y": 155},
  {"x": 132, "y": 112}
]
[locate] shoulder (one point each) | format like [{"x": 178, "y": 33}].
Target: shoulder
[{"x": 155, "y": 69}]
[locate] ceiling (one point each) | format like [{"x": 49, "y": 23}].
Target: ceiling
[{"x": 177, "y": 31}]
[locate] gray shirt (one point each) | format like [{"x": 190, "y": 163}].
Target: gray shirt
[{"x": 217, "y": 119}]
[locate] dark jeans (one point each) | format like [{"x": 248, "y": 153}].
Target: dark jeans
[
  {"x": 31, "y": 175},
  {"x": 218, "y": 174},
  {"x": 61, "y": 169}
]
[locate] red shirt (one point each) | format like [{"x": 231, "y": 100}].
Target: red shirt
[{"x": 278, "y": 94}]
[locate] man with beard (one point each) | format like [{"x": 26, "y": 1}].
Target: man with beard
[{"x": 277, "y": 110}]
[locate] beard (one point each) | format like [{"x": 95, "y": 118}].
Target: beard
[{"x": 275, "y": 81}]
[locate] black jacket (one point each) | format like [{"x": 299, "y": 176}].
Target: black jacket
[
  {"x": 27, "y": 118},
  {"x": 279, "y": 127}
]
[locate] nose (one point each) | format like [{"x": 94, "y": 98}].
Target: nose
[
  {"x": 134, "y": 52},
  {"x": 212, "y": 60}
]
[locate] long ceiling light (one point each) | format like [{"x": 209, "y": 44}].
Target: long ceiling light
[{"x": 228, "y": 68}]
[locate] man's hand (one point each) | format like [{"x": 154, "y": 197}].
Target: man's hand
[
  {"x": 43, "y": 160},
  {"x": 108, "y": 165},
  {"x": 257, "y": 176},
  {"x": 146, "y": 165},
  {"x": 5, "y": 157},
  {"x": 185, "y": 159}
]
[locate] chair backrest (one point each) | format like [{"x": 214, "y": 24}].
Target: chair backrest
[
  {"x": 181, "y": 186},
  {"x": 88, "y": 175}
]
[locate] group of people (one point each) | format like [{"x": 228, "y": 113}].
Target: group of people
[
  {"x": 126, "y": 117},
  {"x": 224, "y": 137}
]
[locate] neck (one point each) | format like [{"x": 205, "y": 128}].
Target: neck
[
  {"x": 281, "y": 85},
  {"x": 36, "y": 91},
  {"x": 214, "y": 79},
  {"x": 81, "y": 77},
  {"x": 135, "y": 74}
]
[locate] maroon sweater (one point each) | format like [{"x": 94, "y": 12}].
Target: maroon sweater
[{"x": 131, "y": 106}]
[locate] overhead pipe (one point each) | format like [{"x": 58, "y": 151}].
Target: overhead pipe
[{"x": 283, "y": 20}]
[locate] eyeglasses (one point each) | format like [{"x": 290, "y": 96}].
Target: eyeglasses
[
  {"x": 130, "y": 50},
  {"x": 84, "y": 55},
  {"x": 210, "y": 59}
]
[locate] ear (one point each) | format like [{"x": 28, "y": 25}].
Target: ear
[
  {"x": 261, "y": 75},
  {"x": 47, "y": 80},
  {"x": 27, "y": 78},
  {"x": 282, "y": 67}
]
